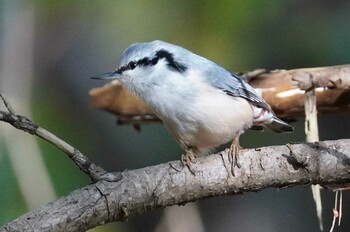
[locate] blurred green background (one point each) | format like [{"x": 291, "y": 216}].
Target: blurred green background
[{"x": 49, "y": 49}]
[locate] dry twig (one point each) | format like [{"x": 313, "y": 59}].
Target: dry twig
[{"x": 22, "y": 123}]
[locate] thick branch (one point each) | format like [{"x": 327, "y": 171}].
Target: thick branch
[
  {"x": 282, "y": 89},
  {"x": 157, "y": 186}
]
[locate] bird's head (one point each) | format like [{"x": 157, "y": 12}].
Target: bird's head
[{"x": 142, "y": 60}]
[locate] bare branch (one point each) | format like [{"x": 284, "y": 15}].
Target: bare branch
[
  {"x": 22, "y": 123},
  {"x": 329, "y": 77},
  {"x": 158, "y": 186},
  {"x": 282, "y": 89},
  {"x": 311, "y": 131},
  {"x": 7, "y": 104}
]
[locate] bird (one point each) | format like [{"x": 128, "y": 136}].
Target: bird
[{"x": 202, "y": 104}]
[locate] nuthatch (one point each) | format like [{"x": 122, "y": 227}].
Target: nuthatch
[{"x": 202, "y": 104}]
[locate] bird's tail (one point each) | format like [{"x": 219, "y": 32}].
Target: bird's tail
[
  {"x": 266, "y": 118},
  {"x": 279, "y": 126}
]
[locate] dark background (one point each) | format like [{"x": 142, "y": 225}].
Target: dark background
[{"x": 49, "y": 49}]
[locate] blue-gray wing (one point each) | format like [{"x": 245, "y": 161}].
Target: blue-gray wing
[
  {"x": 219, "y": 77},
  {"x": 233, "y": 85}
]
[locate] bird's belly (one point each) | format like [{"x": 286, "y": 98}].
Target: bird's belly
[{"x": 212, "y": 120}]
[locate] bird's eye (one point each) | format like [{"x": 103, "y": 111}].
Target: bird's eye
[{"x": 132, "y": 65}]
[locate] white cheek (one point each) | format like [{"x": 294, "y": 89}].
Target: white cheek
[{"x": 135, "y": 80}]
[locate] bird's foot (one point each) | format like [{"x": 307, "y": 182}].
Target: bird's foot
[
  {"x": 188, "y": 159},
  {"x": 233, "y": 155}
]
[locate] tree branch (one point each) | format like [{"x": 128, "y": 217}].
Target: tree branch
[
  {"x": 282, "y": 89},
  {"x": 22, "y": 123},
  {"x": 158, "y": 186}
]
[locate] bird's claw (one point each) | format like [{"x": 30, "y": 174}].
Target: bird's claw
[
  {"x": 187, "y": 160},
  {"x": 233, "y": 155}
]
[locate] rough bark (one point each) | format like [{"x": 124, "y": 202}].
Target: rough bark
[
  {"x": 141, "y": 190},
  {"x": 284, "y": 89}
]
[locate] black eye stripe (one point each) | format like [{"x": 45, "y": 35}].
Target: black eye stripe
[
  {"x": 142, "y": 62},
  {"x": 121, "y": 69},
  {"x": 172, "y": 64},
  {"x": 154, "y": 61},
  {"x": 131, "y": 65}
]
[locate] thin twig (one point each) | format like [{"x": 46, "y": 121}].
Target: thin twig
[
  {"x": 340, "y": 207},
  {"x": 22, "y": 123},
  {"x": 335, "y": 211},
  {"x": 7, "y": 104},
  {"x": 311, "y": 132}
]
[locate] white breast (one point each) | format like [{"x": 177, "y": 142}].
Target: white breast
[
  {"x": 197, "y": 114},
  {"x": 215, "y": 119}
]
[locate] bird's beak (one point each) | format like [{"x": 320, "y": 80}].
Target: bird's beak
[{"x": 107, "y": 76}]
